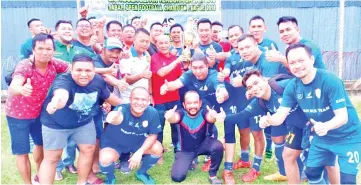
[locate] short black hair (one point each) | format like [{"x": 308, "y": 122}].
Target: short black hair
[
  {"x": 129, "y": 25},
  {"x": 234, "y": 26},
  {"x": 204, "y": 20},
  {"x": 174, "y": 26},
  {"x": 170, "y": 19},
  {"x": 154, "y": 24},
  {"x": 256, "y": 17},
  {"x": 82, "y": 57},
  {"x": 113, "y": 22},
  {"x": 249, "y": 74},
  {"x": 32, "y": 20},
  {"x": 92, "y": 17},
  {"x": 217, "y": 23},
  {"x": 299, "y": 45},
  {"x": 199, "y": 56},
  {"x": 287, "y": 19},
  {"x": 245, "y": 36},
  {"x": 62, "y": 22},
  {"x": 41, "y": 37},
  {"x": 135, "y": 17},
  {"x": 142, "y": 30},
  {"x": 82, "y": 19}
]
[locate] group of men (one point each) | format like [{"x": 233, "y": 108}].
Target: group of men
[{"x": 109, "y": 95}]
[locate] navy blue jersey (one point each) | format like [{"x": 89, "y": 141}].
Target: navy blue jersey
[
  {"x": 192, "y": 131},
  {"x": 216, "y": 47},
  {"x": 82, "y": 105},
  {"x": 319, "y": 99},
  {"x": 132, "y": 131}
]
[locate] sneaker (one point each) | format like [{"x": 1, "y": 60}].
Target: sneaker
[
  {"x": 205, "y": 167},
  {"x": 214, "y": 180},
  {"x": 275, "y": 177},
  {"x": 193, "y": 166},
  {"x": 145, "y": 178},
  {"x": 110, "y": 181},
  {"x": 251, "y": 175},
  {"x": 35, "y": 180},
  {"x": 58, "y": 176},
  {"x": 71, "y": 169},
  {"x": 269, "y": 154},
  {"x": 207, "y": 158},
  {"x": 124, "y": 167},
  {"x": 228, "y": 178},
  {"x": 241, "y": 164}
]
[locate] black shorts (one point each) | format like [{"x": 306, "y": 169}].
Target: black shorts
[{"x": 294, "y": 137}]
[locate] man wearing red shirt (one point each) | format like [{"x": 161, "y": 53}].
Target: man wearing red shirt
[
  {"x": 27, "y": 92},
  {"x": 165, "y": 67}
]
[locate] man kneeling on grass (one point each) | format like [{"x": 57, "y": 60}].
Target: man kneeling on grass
[
  {"x": 194, "y": 123},
  {"x": 68, "y": 112},
  {"x": 133, "y": 127}
]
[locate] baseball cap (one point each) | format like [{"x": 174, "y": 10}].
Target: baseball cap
[{"x": 113, "y": 43}]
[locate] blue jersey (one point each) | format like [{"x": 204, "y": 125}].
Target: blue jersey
[
  {"x": 216, "y": 47},
  {"x": 268, "y": 68},
  {"x": 99, "y": 63},
  {"x": 319, "y": 99},
  {"x": 238, "y": 66},
  {"x": 26, "y": 49},
  {"x": 206, "y": 88},
  {"x": 192, "y": 131},
  {"x": 79, "y": 44},
  {"x": 132, "y": 131},
  {"x": 267, "y": 44},
  {"x": 82, "y": 105},
  {"x": 316, "y": 52}
]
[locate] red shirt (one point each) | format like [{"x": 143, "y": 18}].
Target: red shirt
[
  {"x": 158, "y": 61},
  {"x": 226, "y": 46},
  {"x": 21, "y": 107}
]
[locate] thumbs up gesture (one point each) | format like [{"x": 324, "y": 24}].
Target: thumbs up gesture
[
  {"x": 237, "y": 81},
  {"x": 221, "y": 94},
  {"x": 164, "y": 88},
  {"x": 212, "y": 112},
  {"x": 170, "y": 113},
  {"x": 320, "y": 128},
  {"x": 222, "y": 75},
  {"x": 211, "y": 52},
  {"x": 83, "y": 11},
  {"x": 27, "y": 89},
  {"x": 147, "y": 73},
  {"x": 221, "y": 116},
  {"x": 273, "y": 55},
  {"x": 115, "y": 117},
  {"x": 264, "y": 121}
]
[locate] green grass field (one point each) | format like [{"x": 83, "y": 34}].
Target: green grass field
[{"x": 161, "y": 173}]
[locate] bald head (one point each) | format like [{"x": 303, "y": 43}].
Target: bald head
[
  {"x": 163, "y": 44},
  {"x": 191, "y": 95},
  {"x": 140, "y": 90}
]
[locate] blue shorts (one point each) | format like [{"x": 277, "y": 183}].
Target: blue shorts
[
  {"x": 19, "y": 134},
  {"x": 229, "y": 132},
  {"x": 252, "y": 123},
  {"x": 294, "y": 138},
  {"x": 280, "y": 130},
  {"x": 324, "y": 154},
  {"x": 106, "y": 142}
]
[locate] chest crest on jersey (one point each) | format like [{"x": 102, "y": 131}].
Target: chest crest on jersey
[
  {"x": 299, "y": 96},
  {"x": 145, "y": 123},
  {"x": 318, "y": 93}
]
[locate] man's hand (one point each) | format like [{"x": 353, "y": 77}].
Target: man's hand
[
  {"x": 52, "y": 106},
  {"x": 174, "y": 52},
  {"x": 134, "y": 161},
  {"x": 164, "y": 88},
  {"x": 181, "y": 58},
  {"x": 83, "y": 11},
  {"x": 212, "y": 112},
  {"x": 221, "y": 116},
  {"x": 320, "y": 128},
  {"x": 221, "y": 95},
  {"x": 221, "y": 75},
  {"x": 147, "y": 73},
  {"x": 248, "y": 95},
  {"x": 122, "y": 84},
  {"x": 170, "y": 113},
  {"x": 94, "y": 38},
  {"x": 237, "y": 81},
  {"x": 27, "y": 89},
  {"x": 273, "y": 55},
  {"x": 264, "y": 121},
  {"x": 106, "y": 107},
  {"x": 115, "y": 117}
]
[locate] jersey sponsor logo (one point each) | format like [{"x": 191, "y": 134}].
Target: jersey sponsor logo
[
  {"x": 145, "y": 123},
  {"x": 318, "y": 93},
  {"x": 204, "y": 88},
  {"x": 340, "y": 100},
  {"x": 320, "y": 110},
  {"x": 299, "y": 96},
  {"x": 309, "y": 95}
]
